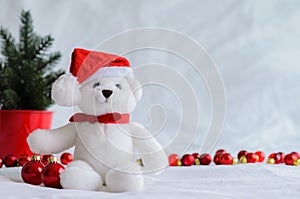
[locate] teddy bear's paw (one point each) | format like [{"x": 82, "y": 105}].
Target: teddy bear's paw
[
  {"x": 34, "y": 141},
  {"x": 80, "y": 175},
  {"x": 126, "y": 177},
  {"x": 65, "y": 90}
]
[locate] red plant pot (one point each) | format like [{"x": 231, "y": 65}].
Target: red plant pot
[{"x": 16, "y": 125}]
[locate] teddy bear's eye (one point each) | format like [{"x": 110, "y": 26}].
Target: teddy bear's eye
[
  {"x": 118, "y": 86},
  {"x": 96, "y": 85}
]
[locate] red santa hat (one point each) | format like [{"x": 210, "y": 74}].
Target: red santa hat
[
  {"x": 89, "y": 65},
  {"x": 86, "y": 66}
]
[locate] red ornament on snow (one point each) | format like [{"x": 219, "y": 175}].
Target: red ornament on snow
[
  {"x": 220, "y": 151},
  {"x": 66, "y": 158},
  {"x": 281, "y": 159},
  {"x": 32, "y": 171},
  {"x": 297, "y": 154},
  {"x": 10, "y": 160},
  {"x": 252, "y": 158},
  {"x": 205, "y": 159},
  {"x": 45, "y": 158},
  {"x": 188, "y": 160},
  {"x": 289, "y": 159},
  {"x": 1, "y": 163},
  {"x": 241, "y": 154},
  {"x": 23, "y": 159},
  {"x": 226, "y": 158},
  {"x": 196, "y": 155},
  {"x": 173, "y": 159},
  {"x": 261, "y": 156},
  {"x": 196, "y": 158},
  {"x": 276, "y": 156},
  {"x": 217, "y": 158},
  {"x": 51, "y": 172}
]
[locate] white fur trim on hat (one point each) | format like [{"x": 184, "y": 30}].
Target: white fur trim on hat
[
  {"x": 118, "y": 71},
  {"x": 65, "y": 90}
]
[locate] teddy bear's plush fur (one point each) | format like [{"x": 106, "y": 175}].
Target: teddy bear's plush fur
[{"x": 105, "y": 154}]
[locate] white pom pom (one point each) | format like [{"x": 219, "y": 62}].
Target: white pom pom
[{"x": 65, "y": 91}]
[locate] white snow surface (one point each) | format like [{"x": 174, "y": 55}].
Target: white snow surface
[{"x": 255, "y": 45}]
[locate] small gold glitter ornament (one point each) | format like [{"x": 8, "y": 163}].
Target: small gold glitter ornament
[
  {"x": 234, "y": 161},
  {"x": 297, "y": 162},
  {"x": 270, "y": 161},
  {"x": 243, "y": 160},
  {"x": 197, "y": 161},
  {"x": 179, "y": 163}
]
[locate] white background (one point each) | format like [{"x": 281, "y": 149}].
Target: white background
[{"x": 254, "y": 43}]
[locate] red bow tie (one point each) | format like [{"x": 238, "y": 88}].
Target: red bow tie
[{"x": 108, "y": 118}]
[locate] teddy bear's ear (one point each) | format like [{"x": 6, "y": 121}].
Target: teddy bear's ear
[
  {"x": 65, "y": 91},
  {"x": 136, "y": 88}
]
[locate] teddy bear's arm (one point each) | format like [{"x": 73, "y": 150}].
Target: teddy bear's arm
[
  {"x": 152, "y": 153},
  {"x": 52, "y": 141}
]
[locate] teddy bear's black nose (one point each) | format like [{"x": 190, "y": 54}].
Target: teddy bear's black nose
[{"x": 106, "y": 93}]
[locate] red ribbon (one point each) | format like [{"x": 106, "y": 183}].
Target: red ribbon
[{"x": 108, "y": 118}]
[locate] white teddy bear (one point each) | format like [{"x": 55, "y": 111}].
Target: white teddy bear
[{"x": 106, "y": 141}]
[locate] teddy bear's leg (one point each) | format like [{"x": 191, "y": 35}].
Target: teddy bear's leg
[
  {"x": 80, "y": 175},
  {"x": 125, "y": 177}
]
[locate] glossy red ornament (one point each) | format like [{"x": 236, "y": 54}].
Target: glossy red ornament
[
  {"x": 188, "y": 160},
  {"x": 66, "y": 158},
  {"x": 220, "y": 151},
  {"x": 23, "y": 159},
  {"x": 252, "y": 158},
  {"x": 276, "y": 157},
  {"x": 217, "y": 158},
  {"x": 1, "y": 163},
  {"x": 226, "y": 158},
  {"x": 281, "y": 159},
  {"x": 32, "y": 171},
  {"x": 173, "y": 159},
  {"x": 51, "y": 172},
  {"x": 297, "y": 154},
  {"x": 241, "y": 154},
  {"x": 261, "y": 156},
  {"x": 10, "y": 160},
  {"x": 205, "y": 159},
  {"x": 45, "y": 159},
  {"x": 196, "y": 155},
  {"x": 289, "y": 159}
]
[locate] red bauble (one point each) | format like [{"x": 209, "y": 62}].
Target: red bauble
[
  {"x": 217, "y": 159},
  {"x": 297, "y": 154},
  {"x": 261, "y": 156},
  {"x": 10, "y": 160},
  {"x": 45, "y": 159},
  {"x": 289, "y": 159},
  {"x": 226, "y": 158},
  {"x": 32, "y": 172},
  {"x": 205, "y": 159},
  {"x": 281, "y": 159},
  {"x": 66, "y": 158},
  {"x": 241, "y": 154},
  {"x": 1, "y": 164},
  {"x": 252, "y": 158},
  {"x": 276, "y": 157},
  {"x": 220, "y": 151},
  {"x": 50, "y": 175},
  {"x": 23, "y": 159},
  {"x": 188, "y": 160},
  {"x": 173, "y": 159},
  {"x": 196, "y": 155}
]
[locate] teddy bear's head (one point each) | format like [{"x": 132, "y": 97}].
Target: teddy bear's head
[
  {"x": 108, "y": 95},
  {"x": 108, "y": 90}
]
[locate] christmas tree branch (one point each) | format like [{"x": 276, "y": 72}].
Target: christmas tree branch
[{"x": 26, "y": 70}]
